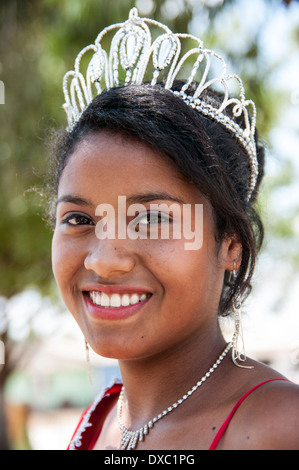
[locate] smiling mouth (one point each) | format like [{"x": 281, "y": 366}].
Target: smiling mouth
[{"x": 102, "y": 299}]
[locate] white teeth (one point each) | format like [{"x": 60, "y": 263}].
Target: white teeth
[
  {"x": 105, "y": 300},
  {"x": 125, "y": 300},
  {"x": 134, "y": 299},
  {"x": 115, "y": 300}
]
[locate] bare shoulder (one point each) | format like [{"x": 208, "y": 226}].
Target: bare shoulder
[
  {"x": 268, "y": 418},
  {"x": 277, "y": 414}
]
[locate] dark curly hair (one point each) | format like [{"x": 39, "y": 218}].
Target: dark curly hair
[{"x": 204, "y": 152}]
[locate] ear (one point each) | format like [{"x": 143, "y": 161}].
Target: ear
[{"x": 231, "y": 252}]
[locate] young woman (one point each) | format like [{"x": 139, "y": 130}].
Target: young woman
[{"x": 150, "y": 302}]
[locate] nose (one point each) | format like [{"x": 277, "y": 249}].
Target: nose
[{"x": 108, "y": 258}]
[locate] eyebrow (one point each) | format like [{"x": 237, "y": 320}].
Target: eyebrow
[
  {"x": 135, "y": 198},
  {"x": 147, "y": 197},
  {"x": 74, "y": 200}
]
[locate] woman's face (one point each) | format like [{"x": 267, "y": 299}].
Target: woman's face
[{"x": 134, "y": 297}]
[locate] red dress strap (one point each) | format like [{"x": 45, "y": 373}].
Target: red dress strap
[
  {"x": 229, "y": 418},
  {"x": 92, "y": 420}
]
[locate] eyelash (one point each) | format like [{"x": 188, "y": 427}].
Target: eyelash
[
  {"x": 152, "y": 214},
  {"x": 68, "y": 219}
]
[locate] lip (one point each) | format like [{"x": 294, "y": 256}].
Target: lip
[
  {"x": 114, "y": 313},
  {"x": 114, "y": 289}
]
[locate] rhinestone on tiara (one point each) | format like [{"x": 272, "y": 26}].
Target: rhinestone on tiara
[{"x": 134, "y": 57}]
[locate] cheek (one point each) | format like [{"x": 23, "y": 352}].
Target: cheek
[
  {"x": 191, "y": 278},
  {"x": 178, "y": 269},
  {"x": 66, "y": 260},
  {"x": 58, "y": 256}
]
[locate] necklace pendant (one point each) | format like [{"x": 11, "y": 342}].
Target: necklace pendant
[{"x": 129, "y": 439}]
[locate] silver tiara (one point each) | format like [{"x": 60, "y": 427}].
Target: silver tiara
[{"x": 134, "y": 58}]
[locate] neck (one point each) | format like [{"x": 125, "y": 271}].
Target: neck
[{"x": 153, "y": 384}]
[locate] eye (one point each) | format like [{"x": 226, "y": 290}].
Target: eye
[
  {"x": 78, "y": 219},
  {"x": 152, "y": 217}
]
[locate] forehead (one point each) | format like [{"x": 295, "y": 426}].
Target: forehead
[{"x": 107, "y": 164}]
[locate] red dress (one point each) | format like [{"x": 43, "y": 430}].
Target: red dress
[{"x": 92, "y": 420}]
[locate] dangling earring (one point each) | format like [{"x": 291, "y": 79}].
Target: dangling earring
[
  {"x": 238, "y": 350},
  {"x": 88, "y": 360}
]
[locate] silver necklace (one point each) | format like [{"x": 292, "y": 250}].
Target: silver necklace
[{"x": 130, "y": 439}]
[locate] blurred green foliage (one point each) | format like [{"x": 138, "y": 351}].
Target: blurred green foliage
[{"x": 39, "y": 40}]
